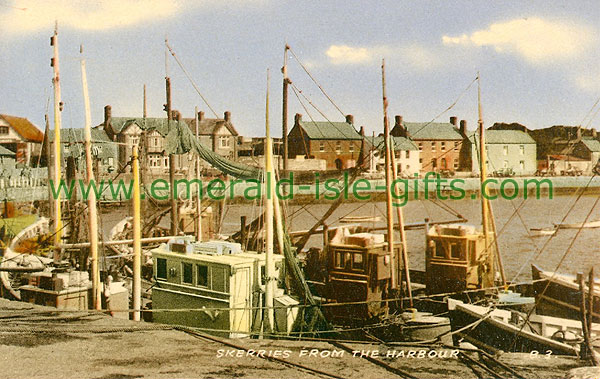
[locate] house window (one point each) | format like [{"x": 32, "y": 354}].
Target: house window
[
  {"x": 338, "y": 146},
  {"x": 444, "y": 164},
  {"x": 135, "y": 141},
  {"x": 505, "y": 164},
  {"x": 351, "y": 147},
  {"x": 397, "y": 154},
  {"x": 3, "y": 129},
  {"x": 321, "y": 146},
  {"x": 522, "y": 165},
  {"x": 224, "y": 141},
  {"x": 433, "y": 164},
  {"x": 443, "y": 146},
  {"x": 187, "y": 273},
  {"x": 111, "y": 161},
  {"x": 155, "y": 141},
  {"x": 421, "y": 160},
  {"x": 420, "y": 146},
  {"x": 522, "y": 149},
  {"x": 202, "y": 272},
  {"x": 455, "y": 164},
  {"x": 505, "y": 149},
  {"x": 433, "y": 146},
  {"x": 455, "y": 145},
  {"x": 161, "y": 268},
  {"x": 407, "y": 154},
  {"x": 166, "y": 161}
]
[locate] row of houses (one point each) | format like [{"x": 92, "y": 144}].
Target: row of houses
[{"x": 446, "y": 147}]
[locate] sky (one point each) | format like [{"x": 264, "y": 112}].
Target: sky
[{"x": 539, "y": 63}]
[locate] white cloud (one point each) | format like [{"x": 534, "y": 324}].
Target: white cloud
[
  {"x": 415, "y": 56},
  {"x": 535, "y": 39},
  {"x": 344, "y": 54}
]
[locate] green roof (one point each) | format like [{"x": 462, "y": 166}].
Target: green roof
[
  {"x": 432, "y": 131},
  {"x": 503, "y": 137},
  {"x": 4, "y": 151},
  {"x": 72, "y": 140},
  {"x": 400, "y": 143},
  {"x": 330, "y": 130},
  {"x": 592, "y": 144}
]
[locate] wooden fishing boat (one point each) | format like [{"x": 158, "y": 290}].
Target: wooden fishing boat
[
  {"x": 559, "y": 294},
  {"x": 579, "y": 225},
  {"x": 497, "y": 330}
]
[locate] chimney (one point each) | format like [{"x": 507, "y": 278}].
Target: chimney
[
  {"x": 350, "y": 119},
  {"x": 107, "y": 115},
  {"x": 524, "y": 128},
  {"x": 594, "y": 134},
  {"x": 177, "y": 116},
  {"x": 362, "y": 131},
  {"x": 297, "y": 118},
  {"x": 398, "y": 130},
  {"x": 200, "y": 116},
  {"x": 453, "y": 120},
  {"x": 578, "y": 134},
  {"x": 463, "y": 127},
  {"x": 227, "y": 116}
]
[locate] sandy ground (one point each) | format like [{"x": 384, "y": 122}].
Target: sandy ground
[{"x": 38, "y": 342}]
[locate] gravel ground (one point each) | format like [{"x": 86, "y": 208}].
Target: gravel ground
[{"x": 39, "y": 342}]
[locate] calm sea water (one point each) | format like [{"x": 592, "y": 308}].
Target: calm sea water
[{"x": 518, "y": 249}]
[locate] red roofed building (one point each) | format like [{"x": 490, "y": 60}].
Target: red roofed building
[{"x": 20, "y": 136}]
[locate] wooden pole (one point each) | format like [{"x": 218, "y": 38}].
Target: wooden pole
[
  {"x": 284, "y": 116},
  {"x": 590, "y": 315},
  {"x": 91, "y": 201},
  {"x": 50, "y": 166},
  {"x": 269, "y": 267},
  {"x": 199, "y": 194},
  {"x": 172, "y": 168},
  {"x": 137, "y": 236},
  {"x": 400, "y": 215},
  {"x": 388, "y": 181},
  {"x": 57, "y": 158}
]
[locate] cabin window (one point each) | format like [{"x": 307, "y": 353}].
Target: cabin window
[
  {"x": 339, "y": 259},
  {"x": 357, "y": 261},
  {"x": 188, "y": 276},
  {"x": 455, "y": 252},
  {"x": 202, "y": 271},
  {"x": 161, "y": 268},
  {"x": 3, "y": 129},
  {"x": 218, "y": 279},
  {"x": 438, "y": 250},
  {"x": 321, "y": 146}
]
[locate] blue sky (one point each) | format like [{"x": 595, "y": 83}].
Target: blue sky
[{"x": 539, "y": 62}]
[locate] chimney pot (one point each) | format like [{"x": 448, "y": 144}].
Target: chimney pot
[
  {"x": 398, "y": 119},
  {"x": 227, "y": 116},
  {"x": 200, "y": 116},
  {"x": 350, "y": 119},
  {"x": 297, "y": 118},
  {"x": 463, "y": 127},
  {"x": 453, "y": 120}
]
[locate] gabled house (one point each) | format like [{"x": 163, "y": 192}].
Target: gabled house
[
  {"x": 338, "y": 143},
  {"x": 508, "y": 152},
  {"x": 216, "y": 133},
  {"x": 72, "y": 141},
  {"x": 20, "y": 136},
  {"x": 439, "y": 143},
  {"x": 7, "y": 157},
  {"x": 406, "y": 155}
]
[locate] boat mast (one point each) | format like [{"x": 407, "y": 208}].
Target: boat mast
[
  {"x": 137, "y": 238},
  {"x": 57, "y": 158},
  {"x": 284, "y": 116},
  {"x": 488, "y": 224},
  {"x": 388, "y": 181},
  {"x": 172, "y": 167},
  {"x": 198, "y": 200},
  {"x": 92, "y": 212},
  {"x": 269, "y": 267}
]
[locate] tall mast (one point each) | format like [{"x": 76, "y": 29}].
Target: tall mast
[
  {"x": 388, "y": 181},
  {"x": 57, "y": 158},
  {"x": 489, "y": 229},
  {"x": 137, "y": 239},
  {"x": 199, "y": 199},
  {"x": 284, "y": 116},
  {"x": 92, "y": 212},
  {"x": 269, "y": 267},
  {"x": 172, "y": 167}
]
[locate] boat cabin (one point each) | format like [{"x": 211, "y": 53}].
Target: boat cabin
[
  {"x": 359, "y": 270},
  {"x": 208, "y": 278},
  {"x": 456, "y": 259}
]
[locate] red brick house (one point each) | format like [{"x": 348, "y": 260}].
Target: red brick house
[
  {"x": 20, "y": 136},
  {"x": 338, "y": 143}
]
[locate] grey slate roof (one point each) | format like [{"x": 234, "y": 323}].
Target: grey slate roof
[
  {"x": 72, "y": 140},
  {"x": 5, "y": 152},
  {"x": 400, "y": 143},
  {"x": 432, "y": 131},
  {"x": 330, "y": 130},
  {"x": 592, "y": 144},
  {"x": 503, "y": 137},
  {"x": 207, "y": 126}
]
